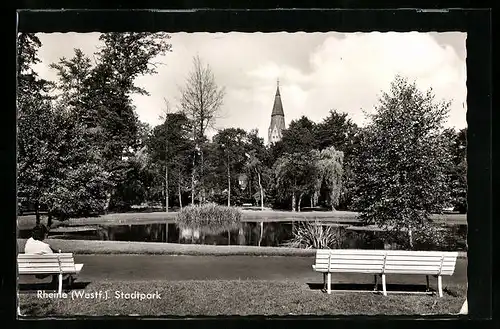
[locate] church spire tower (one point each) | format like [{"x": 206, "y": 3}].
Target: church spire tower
[{"x": 277, "y": 118}]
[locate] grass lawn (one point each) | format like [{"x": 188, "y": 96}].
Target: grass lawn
[
  {"x": 27, "y": 222},
  {"x": 160, "y": 248},
  {"x": 211, "y": 298}
]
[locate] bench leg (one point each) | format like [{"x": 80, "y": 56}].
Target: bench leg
[
  {"x": 440, "y": 285},
  {"x": 324, "y": 281},
  {"x": 59, "y": 290},
  {"x": 384, "y": 290},
  {"x": 427, "y": 279},
  {"x": 329, "y": 283},
  {"x": 375, "y": 288}
]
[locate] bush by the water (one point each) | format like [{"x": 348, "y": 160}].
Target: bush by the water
[
  {"x": 314, "y": 235},
  {"x": 209, "y": 217}
]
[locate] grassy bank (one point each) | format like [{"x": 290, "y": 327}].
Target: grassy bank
[
  {"x": 212, "y": 298},
  {"x": 160, "y": 248},
  {"x": 26, "y": 222}
]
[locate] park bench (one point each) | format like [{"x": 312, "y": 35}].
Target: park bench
[
  {"x": 56, "y": 263},
  {"x": 382, "y": 262}
]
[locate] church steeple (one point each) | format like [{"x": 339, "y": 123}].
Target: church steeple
[
  {"x": 278, "y": 106},
  {"x": 277, "y": 117}
]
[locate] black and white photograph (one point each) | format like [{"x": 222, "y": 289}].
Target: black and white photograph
[{"x": 220, "y": 174}]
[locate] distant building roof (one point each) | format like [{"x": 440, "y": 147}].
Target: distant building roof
[{"x": 278, "y": 106}]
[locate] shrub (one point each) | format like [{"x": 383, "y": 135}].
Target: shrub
[
  {"x": 314, "y": 235},
  {"x": 209, "y": 218},
  {"x": 431, "y": 237}
]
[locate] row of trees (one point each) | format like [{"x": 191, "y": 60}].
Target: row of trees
[
  {"x": 75, "y": 134},
  {"x": 82, "y": 149}
]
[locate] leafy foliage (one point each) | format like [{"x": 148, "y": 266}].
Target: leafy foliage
[
  {"x": 170, "y": 145},
  {"x": 299, "y": 137},
  {"x": 400, "y": 176},
  {"x": 295, "y": 175},
  {"x": 330, "y": 165}
]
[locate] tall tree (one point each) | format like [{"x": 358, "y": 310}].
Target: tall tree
[
  {"x": 401, "y": 173},
  {"x": 107, "y": 105},
  {"x": 254, "y": 165},
  {"x": 299, "y": 137},
  {"x": 201, "y": 100},
  {"x": 35, "y": 157},
  {"x": 231, "y": 145},
  {"x": 296, "y": 175},
  {"x": 330, "y": 164},
  {"x": 457, "y": 147},
  {"x": 339, "y": 131},
  {"x": 78, "y": 183},
  {"x": 73, "y": 75},
  {"x": 170, "y": 145}
]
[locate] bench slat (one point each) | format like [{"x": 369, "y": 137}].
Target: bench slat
[
  {"x": 367, "y": 271},
  {"x": 421, "y": 272},
  {"x": 351, "y": 261},
  {"x": 28, "y": 261},
  {"x": 350, "y": 252},
  {"x": 54, "y": 255},
  {"x": 379, "y": 270},
  {"x": 45, "y": 268},
  {"x": 416, "y": 267},
  {"x": 351, "y": 266},
  {"x": 420, "y": 259},
  {"x": 44, "y": 265},
  {"x": 388, "y": 252},
  {"x": 46, "y": 272},
  {"x": 349, "y": 256},
  {"x": 418, "y": 263}
]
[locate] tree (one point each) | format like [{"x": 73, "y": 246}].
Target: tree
[
  {"x": 459, "y": 192},
  {"x": 337, "y": 130},
  {"x": 259, "y": 173},
  {"x": 36, "y": 152},
  {"x": 400, "y": 175},
  {"x": 100, "y": 95},
  {"x": 255, "y": 165},
  {"x": 201, "y": 100},
  {"x": 73, "y": 75},
  {"x": 77, "y": 186},
  {"x": 35, "y": 157},
  {"x": 296, "y": 175},
  {"x": 457, "y": 146},
  {"x": 230, "y": 147},
  {"x": 330, "y": 164},
  {"x": 170, "y": 146},
  {"x": 299, "y": 137}
]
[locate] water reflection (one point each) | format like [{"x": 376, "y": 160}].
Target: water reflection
[{"x": 248, "y": 233}]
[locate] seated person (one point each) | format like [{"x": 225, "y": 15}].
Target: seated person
[{"x": 35, "y": 245}]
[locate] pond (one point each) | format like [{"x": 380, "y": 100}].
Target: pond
[{"x": 248, "y": 233}]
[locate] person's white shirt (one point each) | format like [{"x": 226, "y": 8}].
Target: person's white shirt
[{"x": 37, "y": 247}]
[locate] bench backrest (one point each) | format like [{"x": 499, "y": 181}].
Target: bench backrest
[
  {"x": 46, "y": 263},
  {"x": 386, "y": 261}
]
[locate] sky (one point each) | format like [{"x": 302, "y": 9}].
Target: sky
[{"x": 317, "y": 72}]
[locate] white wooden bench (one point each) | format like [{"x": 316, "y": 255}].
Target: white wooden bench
[
  {"x": 56, "y": 263},
  {"x": 382, "y": 262}
]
